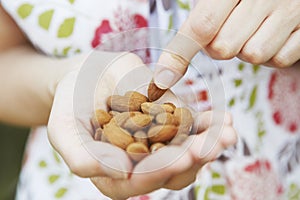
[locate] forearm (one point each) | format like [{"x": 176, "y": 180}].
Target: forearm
[{"x": 28, "y": 82}]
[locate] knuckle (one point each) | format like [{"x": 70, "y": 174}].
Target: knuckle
[
  {"x": 281, "y": 61},
  {"x": 222, "y": 50},
  {"x": 204, "y": 27},
  {"x": 254, "y": 55}
]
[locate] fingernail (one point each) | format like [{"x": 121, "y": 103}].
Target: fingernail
[{"x": 165, "y": 79}]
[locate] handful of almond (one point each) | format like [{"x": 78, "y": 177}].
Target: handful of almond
[{"x": 139, "y": 126}]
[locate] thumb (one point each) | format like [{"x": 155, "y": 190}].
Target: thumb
[{"x": 174, "y": 60}]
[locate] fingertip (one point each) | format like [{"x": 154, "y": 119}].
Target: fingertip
[{"x": 229, "y": 136}]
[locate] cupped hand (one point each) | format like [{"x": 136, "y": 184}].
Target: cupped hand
[
  {"x": 173, "y": 167},
  {"x": 109, "y": 167},
  {"x": 256, "y": 31}
]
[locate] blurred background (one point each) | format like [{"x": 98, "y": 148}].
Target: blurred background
[{"x": 12, "y": 143}]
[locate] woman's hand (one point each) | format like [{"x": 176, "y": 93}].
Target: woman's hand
[
  {"x": 173, "y": 167},
  {"x": 109, "y": 167},
  {"x": 259, "y": 32}
]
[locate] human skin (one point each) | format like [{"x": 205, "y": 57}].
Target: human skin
[
  {"x": 256, "y": 31},
  {"x": 38, "y": 90}
]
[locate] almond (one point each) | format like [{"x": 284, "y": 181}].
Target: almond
[
  {"x": 121, "y": 118},
  {"x": 152, "y": 108},
  {"x": 162, "y": 133},
  {"x": 100, "y": 118},
  {"x": 155, "y": 92},
  {"x": 169, "y": 107},
  {"x": 113, "y": 113},
  {"x": 156, "y": 146},
  {"x": 185, "y": 118},
  {"x": 123, "y": 103},
  {"x": 141, "y": 136},
  {"x": 137, "y": 96},
  {"x": 98, "y": 134},
  {"x": 166, "y": 118},
  {"x": 137, "y": 122},
  {"x": 137, "y": 151},
  {"x": 117, "y": 135}
]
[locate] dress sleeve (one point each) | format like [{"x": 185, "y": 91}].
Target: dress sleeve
[
  {"x": 67, "y": 27},
  {"x": 51, "y": 25}
]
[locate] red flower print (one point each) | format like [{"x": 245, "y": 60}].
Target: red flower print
[
  {"x": 123, "y": 20},
  {"x": 189, "y": 82},
  {"x": 252, "y": 179},
  {"x": 202, "y": 95},
  {"x": 284, "y": 97},
  {"x": 140, "y": 21},
  {"x": 102, "y": 29}
]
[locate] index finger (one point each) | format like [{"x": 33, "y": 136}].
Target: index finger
[{"x": 198, "y": 30}]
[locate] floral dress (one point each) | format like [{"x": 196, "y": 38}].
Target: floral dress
[{"x": 265, "y": 104}]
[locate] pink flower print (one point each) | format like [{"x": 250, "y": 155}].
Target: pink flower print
[
  {"x": 284, "y": 97},
  {"x": 251, "y": 179},
  {"x": 102, "y": 29},
  {"x": 123, "y": 20},
  {"x": 143, "y": 197}
]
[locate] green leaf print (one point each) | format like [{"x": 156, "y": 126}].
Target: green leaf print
[
  {"x": 42, "y": 164},
  {"x": 71, "y": 1},
  {"x": 52, "y": 178},
  {"x": 170, "y": 26},
  {"x": 66, "y": 28},
  {"x": 218, "y": 189},
  {"x": 56, "y": 157},
  {"x": 45, "y": 19},
  {"x": 25, "y": 10},
  {"x": 238, "y": 82},
  {"x": 252, "y": 98},
  {"x": 241, "y": 66},
  {"x": 77, "y": 51},
  {"x": 261, "y": 133},
  {"x": 182, "y": 5},
  {"x": 231, "y": 102},
  {"x": 196, "y": 190},
  {"x": 294, "y": 192},
  {"x": 66, "y": 50},
  {"x": 255, "y": 68},
  {"x": 215, "y": 175},
  {"x": 60, "y": 192}
]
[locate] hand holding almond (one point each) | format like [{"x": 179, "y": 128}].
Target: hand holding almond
[
  {"x": 171, "y": 166},
  {"x": 259, "y": 32}
]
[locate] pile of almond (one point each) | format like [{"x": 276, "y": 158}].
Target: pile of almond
[{"x": 141, "y": 127}]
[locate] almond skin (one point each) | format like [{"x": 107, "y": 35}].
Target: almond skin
[
  {"x": 100, "y": 118},
  {"x": 137, "y": 96},
  {"x": 141, "y": 136},
  {"x": 155, "y": 92},
  {"x": 166, "y": 118},
  {"x": 162, "y": 133},
  {"x": 123, "y": 103},
  {"x": 169, "y": 107},
  {"x": 121, "y": 118},
  {"x": 137, "y": 151},
  {"x": 117, "y": 135},
  {"x": 152, "y": 108},
  {"x": 156, "y": 146},
  {"x": 185, "y": 118},
  {"x": 113, "y": 113},
  {"x": 137, "y": 122},
  {"x": 98, "y": 134}
]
